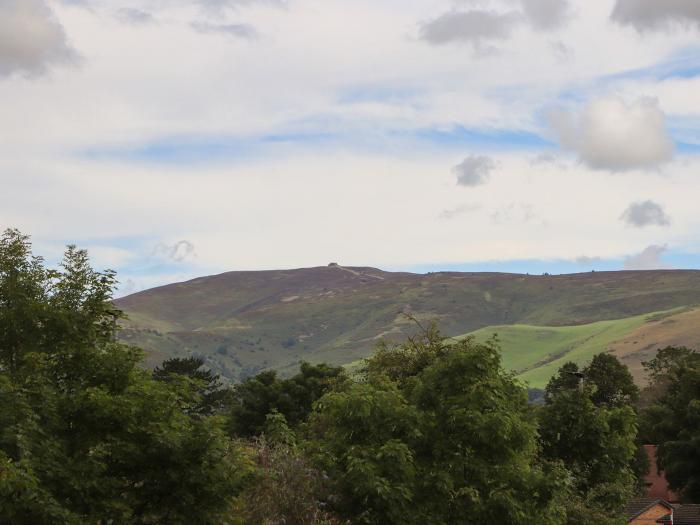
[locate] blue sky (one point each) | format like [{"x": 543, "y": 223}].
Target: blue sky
[{"x": 368, "y": 133}]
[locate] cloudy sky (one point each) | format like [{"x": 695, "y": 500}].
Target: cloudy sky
[{"x": 176, "y": 138}]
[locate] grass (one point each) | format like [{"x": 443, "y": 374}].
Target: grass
[{"x": 535, "y": 353}]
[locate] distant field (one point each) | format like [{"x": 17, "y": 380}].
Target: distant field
[
  {"x": 681, "y": 329},
  {"x": 537, "y": 352}
]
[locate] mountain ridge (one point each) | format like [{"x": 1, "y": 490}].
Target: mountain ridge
[{"x": 246, "y": 321}]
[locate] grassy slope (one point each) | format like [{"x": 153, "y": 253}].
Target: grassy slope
[
  {"x": 681, "y": 329},
  {"x": 246, "y": 321},
  {"x": 537, "y": 352}
]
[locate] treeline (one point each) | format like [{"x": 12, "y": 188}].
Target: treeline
[{"x": 430, "y": 431}]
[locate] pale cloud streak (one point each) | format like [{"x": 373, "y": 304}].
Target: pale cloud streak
[
  {"x": 546, "y": 14},
  {"x": 128, "y": 15},
  {"x": 244, "y": 31},
  {"x": 656, "y": 14},
  {"x": 473, "y": 27}
]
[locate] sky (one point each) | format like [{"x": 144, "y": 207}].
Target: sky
[{"x": 180, "y": 138}]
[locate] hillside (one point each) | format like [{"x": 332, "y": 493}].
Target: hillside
[
  {"x": 537, "y": 352},
  {"x": 244, "y": 322}
]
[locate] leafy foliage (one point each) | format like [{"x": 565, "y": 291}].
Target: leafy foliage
[
  {"x": 612, "y": 382},
  {"x": 673, "y": 420},
  {"x": 287, "y": 488},
  {"x": 607, "y": 381},
  {"x": 591, "y": 431},
  {"x": 85, "y": 436},
  {"x": 206, "y": 386},
  {"x": 436, "y": 433},
  {"x": 258, "y": 396}
]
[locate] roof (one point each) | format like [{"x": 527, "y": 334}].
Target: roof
[
  {"x": 683, "y": 515},
  {"x": 639, "y": 505}
]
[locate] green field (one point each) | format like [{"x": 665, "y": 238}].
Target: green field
[{"x": 537, "y": 352}]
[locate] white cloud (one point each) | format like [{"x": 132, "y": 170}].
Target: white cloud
[
  {"x": 133, "y": 16},
  {"x": 31, "y": 38},
  {"x": 244, "y": 31},
  {"x": 656, "y": 14},
  {"x": 221, "y": 5},
  {"x": 612, "y": 134},
  {"x": 177, "y": 252},
  {"x": 515, "y": 212},
  {"x": 549, "y": 160},
  {"x": 351, "y": 71},
  {"x": 462, "y": 209},
  {"x": 648, "y": 259},
  {"x": 646, "y": 213},
  {"x": 546, "y": 14},
  {"x": 473, "y": 27},
  {"x": 475, "y": 170}
]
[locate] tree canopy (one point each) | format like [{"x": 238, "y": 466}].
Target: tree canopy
[
  {"x": 673, "y": 419},
  {"x": 436, "y": 432},
  {"x": 85, "y": 435}
]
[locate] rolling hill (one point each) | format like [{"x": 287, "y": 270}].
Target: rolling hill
[
  {"x": 537, "y": 352},
  {"x": 243, "y": 322}
]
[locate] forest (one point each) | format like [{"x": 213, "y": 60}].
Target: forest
[{"x": 431, "y": 430}]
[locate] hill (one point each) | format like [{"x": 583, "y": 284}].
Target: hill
[
  {"x": 537, "y": 352},
  {"x": 243, "y": 322}
]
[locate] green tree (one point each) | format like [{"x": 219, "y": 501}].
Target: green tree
[
  {"x": 568, "y": 377},
  {"x": 436, "y": 432},
  {"x": 478, "y": 447},
  {"x": 85, "y": 435},
  {"x": 667, "y": 360},
  {"x": 613, "y": 385},
  {"x": 287, "y": 488},
  {"x": 596, "y": 444},
  {"x": 212, "y": 396},
  {"x": 673, "y": 421},
  {"x": 256, "y": 397},
  {"x": 365, "y": 434}
]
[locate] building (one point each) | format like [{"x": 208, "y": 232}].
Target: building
[
  {"x": 652, "y": 511},
  {"x": 660, "y": 505},
  {"x": 657, "y": 486}
]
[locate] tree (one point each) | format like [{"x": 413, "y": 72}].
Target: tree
[
  {"x": 673, "y": 421},
  {"x": 364, "y": 434},
  {"x": 667, "y": 360},
  {"x": 568, "y": 378},
  {"x": 85, "y": 435},
  {"x": 287, "y": 487},
  {"x": 596, "y": 444},
  {"x": 436, "y": 432},
  {"x": 212, "y": 396},
  {"x": 613, "y": 385},
  {"x": 258, "y": 396},
  {"x": 478, "y": 446}
]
